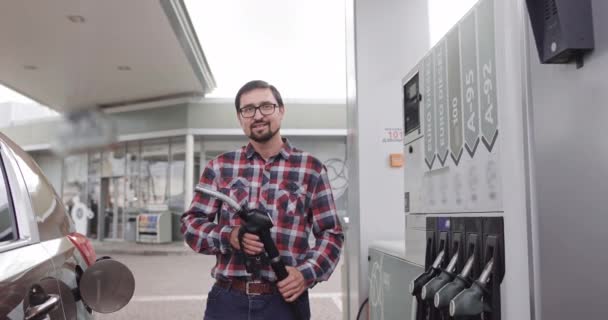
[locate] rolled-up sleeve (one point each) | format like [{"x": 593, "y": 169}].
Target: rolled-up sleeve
[
  {"x": 197, "y": 226},
  {"x": 321, "y": 260}
]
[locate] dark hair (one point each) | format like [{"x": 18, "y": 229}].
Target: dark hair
[{"x": 257, "y": 84}]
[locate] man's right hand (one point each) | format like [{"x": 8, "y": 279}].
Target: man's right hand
[{"x": 251, "y": 242}]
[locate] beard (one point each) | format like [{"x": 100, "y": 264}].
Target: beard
[{"x": 263, "y": 136}]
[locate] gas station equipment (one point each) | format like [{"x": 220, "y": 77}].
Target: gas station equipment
[{"x": 154, "y": 227}]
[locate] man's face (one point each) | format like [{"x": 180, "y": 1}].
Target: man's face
[{"x": 260, "y": 127}]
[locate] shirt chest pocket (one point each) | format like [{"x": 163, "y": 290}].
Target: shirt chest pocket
[
  {"x": 237, "y": 189},
  {"x": 291, "y": 198}
]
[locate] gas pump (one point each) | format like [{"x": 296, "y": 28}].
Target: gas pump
[
  {"x": 502, "y": 176},
  {"x": 453, "y": 180}
]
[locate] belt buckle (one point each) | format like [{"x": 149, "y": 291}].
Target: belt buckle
[{"x": 247, "y": 288}]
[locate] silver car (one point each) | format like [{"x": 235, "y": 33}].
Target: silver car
[{"x": 47, "y": 270}]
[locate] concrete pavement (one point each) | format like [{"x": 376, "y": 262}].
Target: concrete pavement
[
  {"x": 109, "y": 247},
  {"x": 172, "y": 282}
]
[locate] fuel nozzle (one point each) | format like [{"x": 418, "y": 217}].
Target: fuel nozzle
[
  {"x": 447, "y": 275},
  {"x": 470, "y": 302},
  {"x": 417, "y": 284},
  {"x": 445, "y": 294}
]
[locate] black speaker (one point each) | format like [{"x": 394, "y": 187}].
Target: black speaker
[{"x": 563, "y": 29}]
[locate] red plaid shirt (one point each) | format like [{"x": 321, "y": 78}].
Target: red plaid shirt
[{"x": 292, "y": 186}]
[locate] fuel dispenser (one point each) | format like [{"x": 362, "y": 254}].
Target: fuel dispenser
[
  {"x": 453, "y": 173},
  {"x": 500, "y": 183}
]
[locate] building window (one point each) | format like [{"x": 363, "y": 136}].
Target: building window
[
  {"x": 75, "y": 180},
  {"x": 154, "y": 187},
  {"x": 113, "y": 191},
  {"x": 119, "y": 183},
  {"x": 176, "y": 174},
  {"x": 132, "y": 175},
  {"x": 113, "y": 162},
  {"x": 94, "y": 190}
]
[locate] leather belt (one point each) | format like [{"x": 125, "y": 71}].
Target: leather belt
[{"x": 250, "y": 288}]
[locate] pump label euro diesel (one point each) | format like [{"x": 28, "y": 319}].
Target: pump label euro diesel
[{"x": 441, "y": 105}]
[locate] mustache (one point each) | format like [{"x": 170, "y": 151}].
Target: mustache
[{"x": 258, "y": 122}]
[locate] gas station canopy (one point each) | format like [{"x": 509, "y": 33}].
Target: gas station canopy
[{"x": 72, "y": 55}]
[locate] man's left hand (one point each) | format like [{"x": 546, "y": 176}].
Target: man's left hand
[{"x": 292, "y": 286}]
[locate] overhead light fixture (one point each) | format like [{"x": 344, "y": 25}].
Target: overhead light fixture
[
  {"x": 124, "y": 68},
  {"x": 76, "y": 18},
  {"x": 30, "y": 67}
]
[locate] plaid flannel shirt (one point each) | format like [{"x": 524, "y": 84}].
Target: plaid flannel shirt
[{"x": 293, "y": 187}]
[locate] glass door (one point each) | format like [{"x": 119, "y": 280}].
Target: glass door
[{"x": 113, "y": 193}]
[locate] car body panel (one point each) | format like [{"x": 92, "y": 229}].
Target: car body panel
[
  {"x": 42, "y": 254},
  {"x": 22, "y": 268},
  {"x": 69, "y": 266}
]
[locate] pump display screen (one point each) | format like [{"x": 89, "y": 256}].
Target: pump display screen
[{"x": 411, "y": 105}]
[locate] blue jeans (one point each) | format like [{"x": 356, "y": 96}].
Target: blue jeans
[{"x": 226, "y": 304}]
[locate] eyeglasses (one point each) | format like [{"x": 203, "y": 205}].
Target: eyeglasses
[{"x": 266, "y": 109}]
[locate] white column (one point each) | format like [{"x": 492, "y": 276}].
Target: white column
[
  {"x": 381, "y": 32},
  {"x": 189, "y": 171}
]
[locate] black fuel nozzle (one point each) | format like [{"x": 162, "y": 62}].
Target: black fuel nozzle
[
  {"x": 446, "y": 275},
  {"x": 417, "y": 284},
  {"x": 470, "y": 302},
  {"x": 257, "y": 222},
  {"x": 444, "y": 295}
]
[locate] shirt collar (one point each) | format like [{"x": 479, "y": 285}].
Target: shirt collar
[{"x": 285, "y": 151}]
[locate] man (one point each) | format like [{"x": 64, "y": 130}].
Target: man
[{"x": 271, "y": 175}]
